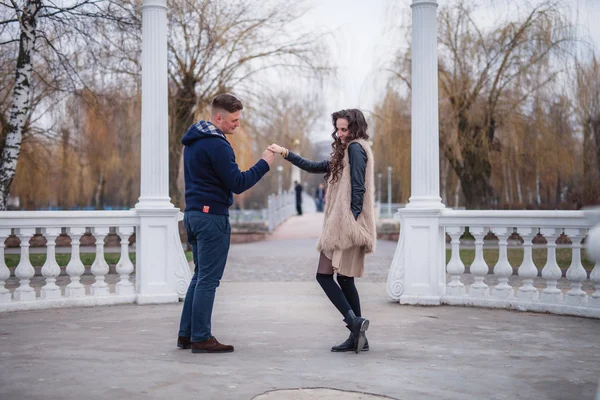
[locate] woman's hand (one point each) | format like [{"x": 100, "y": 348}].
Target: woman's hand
[{"x": 275, "y": 148}]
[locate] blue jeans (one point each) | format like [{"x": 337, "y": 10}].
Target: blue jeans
[{"x": 209, "y": 236}]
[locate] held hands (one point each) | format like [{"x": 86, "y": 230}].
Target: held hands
[
  {"x": 269, "y": 154},
  {"x": 275, "y": 148}
]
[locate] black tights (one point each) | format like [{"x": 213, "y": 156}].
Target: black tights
[{"x": 345, "y": 296}]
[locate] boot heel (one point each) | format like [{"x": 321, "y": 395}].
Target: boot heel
[
  {"x": 364, "y": 326},
  {"x": 362, "y": 338}
]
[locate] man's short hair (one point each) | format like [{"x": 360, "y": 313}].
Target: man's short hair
[{"x": 226, "y": 102}]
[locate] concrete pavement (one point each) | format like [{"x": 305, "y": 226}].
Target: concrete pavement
[
  {"x": 272, "y": 310},
  {"x": 283, "y": 332}
]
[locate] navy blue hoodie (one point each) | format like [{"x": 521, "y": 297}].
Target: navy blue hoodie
[{"x": 210, "y": 171}]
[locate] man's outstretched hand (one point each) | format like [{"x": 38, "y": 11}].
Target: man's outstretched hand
[{"x": 268, "y": 156}]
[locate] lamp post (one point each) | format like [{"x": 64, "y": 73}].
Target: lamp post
[
  {"x": 379, "y": 175},
  {"x": 390, "y": 190},
  {"x": 279, "y": 179}
]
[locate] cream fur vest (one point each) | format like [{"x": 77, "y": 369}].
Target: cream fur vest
[{"x": 340, "y": 230}]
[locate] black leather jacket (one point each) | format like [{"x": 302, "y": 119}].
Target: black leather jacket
[{"x": 357, "y": 157}]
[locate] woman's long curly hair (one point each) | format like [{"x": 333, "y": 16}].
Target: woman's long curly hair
[{"x": 357, "y": 129}]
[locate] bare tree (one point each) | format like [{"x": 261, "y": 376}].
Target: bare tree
[
  {"x": 222, "y": 46},
  {"x": 588, "y": 110},
  {"x": 57, "y": 27},
  {"x": 484, "y": 76}
]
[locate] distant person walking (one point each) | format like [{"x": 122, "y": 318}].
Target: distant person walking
[
  {"x": 298, "y": 189},
  {"x": 320, "y": 197},
  {"x": 349, "y": 222},
  {"x": 211, "y": 177}
]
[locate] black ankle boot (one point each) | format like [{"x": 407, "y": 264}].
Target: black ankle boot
[
  {"x": 358, "y": 326},
  {"x": 349, "y": 345}
]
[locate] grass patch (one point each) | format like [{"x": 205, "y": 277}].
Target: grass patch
[
  {"x": 515, "y": 257},
  {"x": 38, "y": 260}
]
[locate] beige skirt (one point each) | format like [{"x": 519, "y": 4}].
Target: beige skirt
[{"x": 349, "y": 262}]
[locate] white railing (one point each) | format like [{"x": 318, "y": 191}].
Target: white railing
[
  {"x": 545, "y": 291},
  {"x": 72, "y": 292},
  {"x": 280, "y": 207}
]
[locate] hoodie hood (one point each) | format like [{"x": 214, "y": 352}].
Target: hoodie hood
[{"x": 201, "y": 130}]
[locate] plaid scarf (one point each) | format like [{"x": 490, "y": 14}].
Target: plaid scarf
[{"x": 208, "y": 127}]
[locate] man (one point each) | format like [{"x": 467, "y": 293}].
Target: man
[
  {"x": 211, "y": 177},
  {"x": 320, "y": 196},
  {"x": 298, "y": 189}
]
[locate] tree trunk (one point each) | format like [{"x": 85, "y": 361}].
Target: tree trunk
[
  {"x": 20, "y": 106},
  {"x": 519, "y": 191},
  {"x": 475, "y": 176},
  {"x": 595, "y": 127},
  {"x": 64, "y": 175},
  {"x": 457, "y": 194},
  {"x": 99, "y": 192},
  {"x": 475, "y": 169},
  {"x": 183, "y": 117},
  {"x": 558, "y": 198},
  {"x": 506, "y": 182},
  {"x": 538, "y": 194}
]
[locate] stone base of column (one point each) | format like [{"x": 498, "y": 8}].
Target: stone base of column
[
  {"x": 425, "y": 202},
  {"x": 154, "y": 203},
  {"x": 417, "y": 274},
  {"x": 159, "y": 265}
]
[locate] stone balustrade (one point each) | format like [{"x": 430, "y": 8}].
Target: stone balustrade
[
  {"x": 493, "y": 285},
  {"x": 75, "y": 224}
]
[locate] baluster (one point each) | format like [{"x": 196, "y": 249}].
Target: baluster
[
  {"x": 5, "y": 295},
  {"x": 25, "y": 270},
  {"x": 502, "y": 270},
  {"x": 99, "y": 267},
  {"x": 527, "y": 270},
  {"x": 576, "y": 274},
  {"x": 551, "y": 271},
  {"x": 75, "y": 267},
  {"x": 50, "y": 269},
  {"x": 124, "y": 266},
  {"x": 479, "y": 268},
  {"x": 455, "y": 266},
  {"x": 594, "y": 299}
]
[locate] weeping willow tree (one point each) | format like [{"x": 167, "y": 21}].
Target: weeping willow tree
[{"x": 487, "y": 74}]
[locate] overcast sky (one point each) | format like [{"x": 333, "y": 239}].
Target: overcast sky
[{"x": 365, "y": 40}]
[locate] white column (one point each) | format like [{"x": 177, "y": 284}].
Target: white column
[
  {"x": 425, "y": 164},
  {"x": 417, "y": 274},
  {"x": 157, "y": 235},
  {"x": 155, "y": 129},
  {"x": 592, "y": 244}
]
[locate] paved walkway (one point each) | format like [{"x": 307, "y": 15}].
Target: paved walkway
[{"x": 272, "y": 310}]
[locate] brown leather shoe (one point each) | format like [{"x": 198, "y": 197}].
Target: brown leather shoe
[
  {"x": 211, "y": 345},
  {"x": 183, "y": 342}
]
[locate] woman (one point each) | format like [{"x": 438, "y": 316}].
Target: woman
[{"x": 349, "y": 225}]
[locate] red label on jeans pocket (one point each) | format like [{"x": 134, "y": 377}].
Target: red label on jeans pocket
[{"x": 206, "y": 209}]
